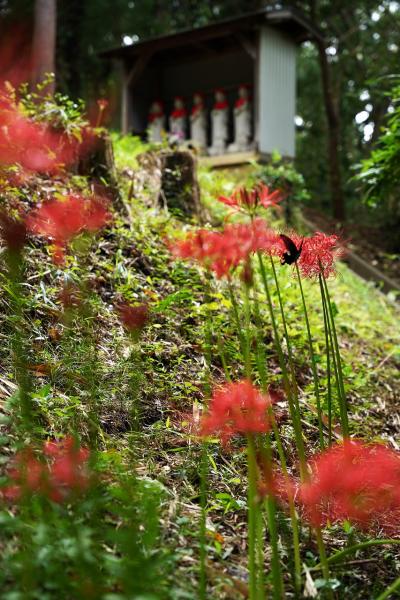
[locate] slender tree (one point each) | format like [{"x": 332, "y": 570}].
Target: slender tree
[{"x": 44, "y": 41}]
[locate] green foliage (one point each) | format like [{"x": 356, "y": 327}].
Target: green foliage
[
  {"x": 59, "y": 110},
  {"x": 54, "y": 550},
  {"x": 281, "y": 174},
  {"x": 380, "y": 173},
  {"x": 126, "y": 148}
]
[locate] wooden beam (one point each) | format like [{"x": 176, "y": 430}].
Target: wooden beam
[
  {"x": 247, "y": 45},
  {"x": 139, "y": 67}
]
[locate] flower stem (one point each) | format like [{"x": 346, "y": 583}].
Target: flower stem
[
  {"x": 323, "y": 559},
  {"x": 291, "y": 390},
  {"x": 253, "y": 508},
  {"x": 392, "y": 588},
  {"x": 261, "y": 362},
  {"x": 328, "y": 361},
  {"x": 204, "y": 458},
  {"x": 314, "y": 367},
  {"x": 336, "y": 352},
  {"x": 239, "y": 326}
]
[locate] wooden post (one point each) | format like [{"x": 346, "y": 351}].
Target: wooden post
[
  {"x": 256, "y": 91},
  {"x": 125, "y": 101}
]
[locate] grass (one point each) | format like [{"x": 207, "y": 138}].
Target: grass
[{"x": 131, "y": 260}]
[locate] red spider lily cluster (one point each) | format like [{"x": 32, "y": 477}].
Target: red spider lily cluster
[
  {"x": 319, "y": 255},
  {"x": 33, "y": 146},
  {"x": 248, "y": 200},
  {"x": 223, "y": 251},
  {"x": 63, "y": 473},
  {"x": 237, "y": 408},
  {"x": 62, "y": 220},
  {"x": 133, "y": 318},
  {"x": 350, "y": 481}
]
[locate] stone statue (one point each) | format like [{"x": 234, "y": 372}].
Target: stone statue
[
  {"x": 198, "y": 122},
  {"x": 219, "y": 124},
  {"x": 242, "y": 121},
  {"x": 177, "y": 121},
  {"x": 156, "y": 122}
]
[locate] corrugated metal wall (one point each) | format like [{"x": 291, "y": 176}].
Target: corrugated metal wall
[{"x": 277, "y": 93}]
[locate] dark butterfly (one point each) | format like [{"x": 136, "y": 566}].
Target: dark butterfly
[{"x": 293, "y": 253}]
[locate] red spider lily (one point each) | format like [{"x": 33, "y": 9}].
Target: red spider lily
[
  {"x": 64, "y": 473},
  {"x": 236, "y": 408},
  {"x": 355, "y": 481},
  {"x": 62, "y": 220},
  {"x": 34, "y": 146},
  {"x": 102, "y": 103},
  {"x": 133, "y": 318},
  {"x": 68, "y": 471},
  {"x": 249, "y": 200},
  {"x": 223, "y": 251},
  {"x": 319, "y": 255}
]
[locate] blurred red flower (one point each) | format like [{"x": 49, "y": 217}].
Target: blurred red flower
[
  {"x": 133, "y": 318},
  {"x": 249, "y": 200},
  {"x": 355, "y": 481},
  {"x": 223, "y": 251},
  {"x": 65, "y": 472},
  {"x": 34, "y": 146},
  {"x": 319, "y": 255},
  {"x": 62, "y": 220},
  {"x": 236, "y": 408},
  {"x": 68, "y": 470}
]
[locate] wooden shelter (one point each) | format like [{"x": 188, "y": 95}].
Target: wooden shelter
[{"x": 258, "y": 49}]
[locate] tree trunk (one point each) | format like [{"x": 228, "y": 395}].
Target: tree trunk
[
  {"x": 44, "y": 42},
  {"x": 332, "y": 115}
]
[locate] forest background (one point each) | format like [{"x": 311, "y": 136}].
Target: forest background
[{"x": 344, "y": 83}]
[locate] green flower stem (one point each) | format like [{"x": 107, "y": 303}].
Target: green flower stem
[
  {"x": 338, "y": 556},
  {"x": 247, "y": 316},
  {"x": 222, "y": 355},
  {"x": 261, "y": 362},
  {"x": 270, "y": 503},
  {"x": 253, "y": 508},
  {"x": 328, "y": 361},
  {"x": 239, "y": 326},
  {"x": 314, "y": 367},
  {"x": 204, "y": 461},
  {"x": 323, "y": 558},
  {"x": 331, "y": 320},
  {"x": 285, "y": 329},
  {"x": 392, "y": 588},
  {"x": 291, "y": 391},
  {"x": 333, "y": 355}
]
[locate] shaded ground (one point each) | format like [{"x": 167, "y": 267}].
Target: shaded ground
[
  {"x": 368, "y": 242},
  {"x": 131, "y": 261}
]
